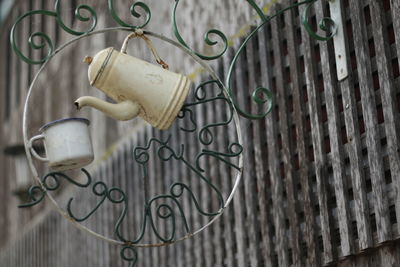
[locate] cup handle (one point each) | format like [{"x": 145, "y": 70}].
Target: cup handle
[{"x": 32, "y": 150}]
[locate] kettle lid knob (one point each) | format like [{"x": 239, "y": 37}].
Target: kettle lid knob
[{"x": 88, "y": 60}]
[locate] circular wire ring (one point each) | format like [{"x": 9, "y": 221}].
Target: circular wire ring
[{"x": 54, "y": 202}]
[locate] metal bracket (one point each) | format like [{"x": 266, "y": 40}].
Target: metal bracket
[{"x": 339, "y": 40}]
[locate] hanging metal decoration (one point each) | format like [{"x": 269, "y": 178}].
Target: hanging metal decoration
[{"x": 165, "y": 207}]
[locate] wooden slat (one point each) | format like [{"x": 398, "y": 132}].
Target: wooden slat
[
  {"x": 251, "y": 195},
  {"x": 318, "y": 142},
  {"x": 153, "y": 188},
  {"x": 355, "y": 156},
  {"x": 388, "y": 95},
  {"x": 196, "y": 187},
  {"x": 104, "y": 219},
  {"x": 284, "y": 129},
  {"x": 261, "y": 161},
  {"x": 159, "y": 180},
  {"x": 332, "y": 108},
  {"x": 147, "y": 253},
  {"x": 224, "y": 137},
  {"x": 216, "y": 246},
  {"x": 281, "y": 243},
  {"x": 299, "y": 117},
  {"x": 188, "y": 208},
  {"x": 356, "y": 166},
  {"x": 204, "y": 193},
  {"x": 187, "y": 247},
  {"x": 24, "y": 75},
  {"x": 240, "y": 204},
  {"x": 395, "y": 8},
  {"x": 370, "y": 119},
  {"x": 177, "y": 254},
  {"x": 123, "y": 185}
]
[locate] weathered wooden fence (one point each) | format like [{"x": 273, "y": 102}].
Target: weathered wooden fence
[{"x": 321, "y": 175}]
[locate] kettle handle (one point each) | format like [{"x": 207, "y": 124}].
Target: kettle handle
[{"x": 140, "y": 33}]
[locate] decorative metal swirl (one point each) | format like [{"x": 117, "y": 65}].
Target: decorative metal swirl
[
  {"x": 235, "y": 149},
  {"x": 261, "y": 95},
  {"x": 32, "y": 41},
  {"x": 201, "y": 97},
  {"x": 326, "y": 24},
  {"x": 258, "y": 10},
  {"x": 51, "y": 182},
  {"x": 79, "y": 16},
  {"x": 133, "y": 12},
  {"x": 132, "y": 259},
  {"x": 100, "y": 189},
  {"x": 207, "y": 37},
  {"x": 166, "y": 153},
  {"x": 33, "y": 192},
  {"x": 46, "y": 41}
]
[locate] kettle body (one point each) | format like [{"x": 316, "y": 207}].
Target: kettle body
[{"x": 147, "y": 90}]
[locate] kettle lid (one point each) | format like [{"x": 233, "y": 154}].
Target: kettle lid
[{"x": 98, "y": 64}]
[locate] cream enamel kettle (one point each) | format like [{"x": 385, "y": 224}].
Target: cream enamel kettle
[{"x": 139, "y": 88}]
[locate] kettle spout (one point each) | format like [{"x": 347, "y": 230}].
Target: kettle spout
[{"x": 122, "y": 111}]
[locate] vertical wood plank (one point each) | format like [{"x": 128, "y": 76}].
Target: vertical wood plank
[
  {"x": 239, "y": 200},
  {"x": 184, "y": 176},
  {"x": 153, "y": 178},
  {"x": 332, "y": 107},
  {"x": 318, "y": 141},
  {"x": 227, "y": 175},
  {"x": 388, "y": 94},
  {"x": 247, "y": 84},
  {"x": 355, "y": 155},
  {"x": 105, "y": 227},
  {"x": 370, "y": 118},
  {"x": 395, "y": 8},
  {"x": 176, "y": 252},
  {"x": 284, "y": 129},
  {"x": 299, "y": 113},
  {"x": 203, "y": 192},
  {"x": 281, "y": 242},
  {"x": 194, "y": 182},
  {"x": 261, "y": 160},
  {"x": 161, "y": 190},
  {"x": 216, "y": 246}
]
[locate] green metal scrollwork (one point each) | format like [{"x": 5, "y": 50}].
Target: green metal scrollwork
[
  {"x": 31, "y": 41},
  {"x": 259, "y": 11},
  {"x": 132, "y": 259},
  {"x": 51, "y": 182},
  {"x": 221, "y": 156},
  {"x": 262, "y": 95},
  {"x": 100, "y": 189},
  {"x": 207, "y": 37},
  {"x": 205, "y": 135},
  {"x": 133, "y": 12},
  {"x": 79, "y": 16},
  {"x": 326, "y": 24},
  {"x": 46, "y": 40},
  {"x": 32, "y": 192}
]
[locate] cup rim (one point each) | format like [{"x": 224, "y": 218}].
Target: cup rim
[{"x": 47, "y": 125}]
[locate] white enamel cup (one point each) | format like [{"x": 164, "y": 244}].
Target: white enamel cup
[{"x": 67, "y": 144}]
